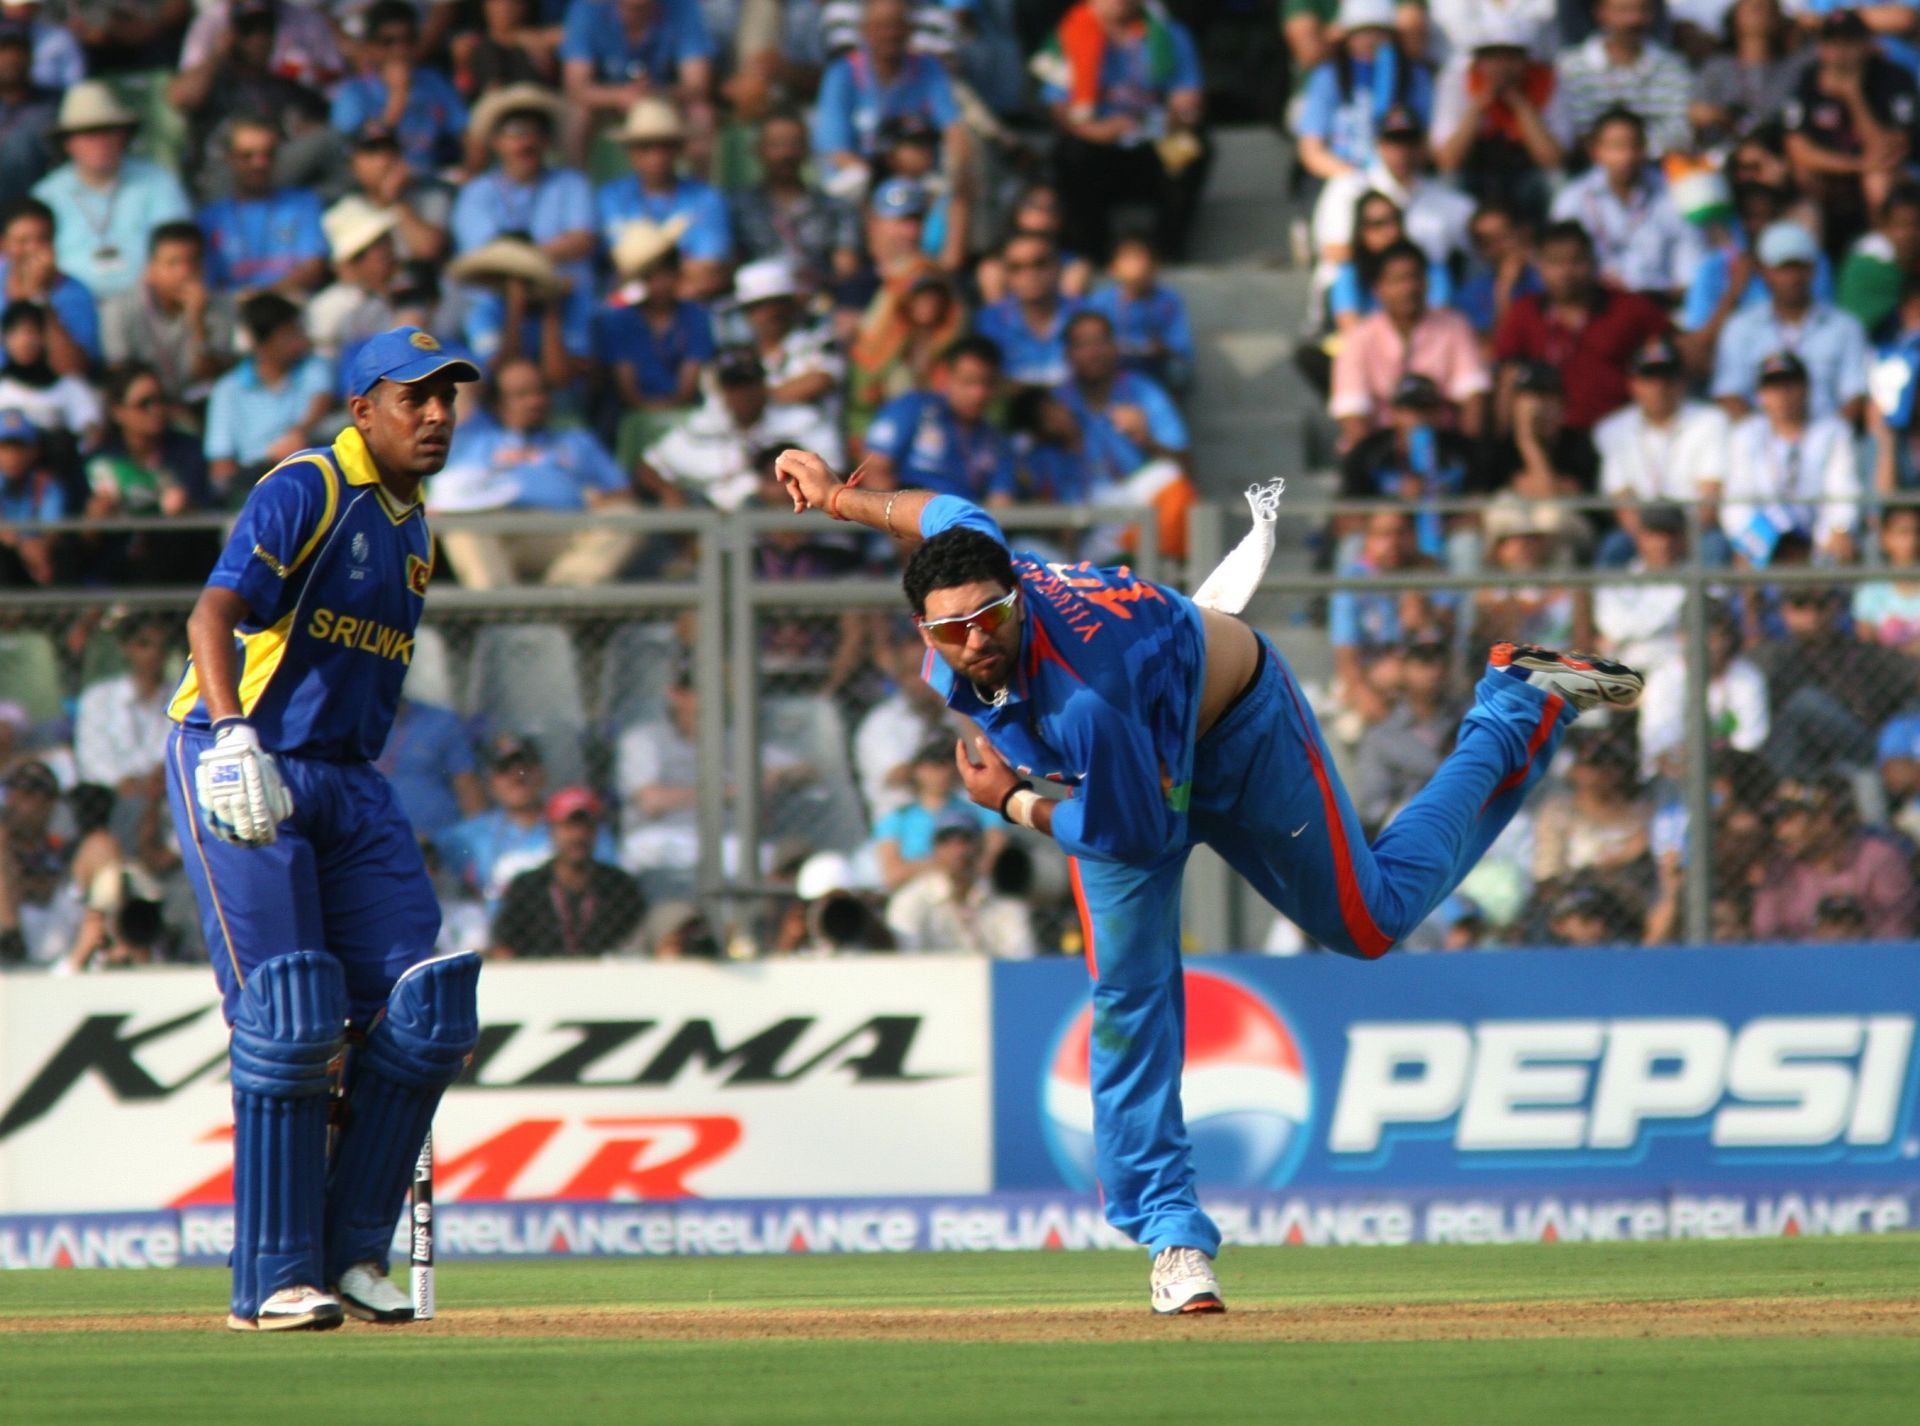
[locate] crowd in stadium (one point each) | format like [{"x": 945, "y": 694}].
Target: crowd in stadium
[{"x": 1667, "y": 256}]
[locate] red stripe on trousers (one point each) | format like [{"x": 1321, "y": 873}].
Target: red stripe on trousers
[
  {"x": 1367, "y": 937},
  {"x": 1548, "y": 716},
  {"x": 1086, "y": 916}
]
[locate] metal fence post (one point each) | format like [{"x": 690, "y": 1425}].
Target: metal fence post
[
  {"x": 1697, "y": 920},
  {"x": 710, "y": 684},
  {"x": 744, "y": 666}
]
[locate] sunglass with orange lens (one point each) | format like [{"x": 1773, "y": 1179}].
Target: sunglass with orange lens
[{"x": 987, "y": 618}]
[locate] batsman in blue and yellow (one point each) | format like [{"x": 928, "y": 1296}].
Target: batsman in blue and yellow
[
  {"x": 1171, "y": 723},
  {"x": 320, "y": 919}
]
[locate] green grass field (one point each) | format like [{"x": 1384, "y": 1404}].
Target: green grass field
[{"x": 1817, "y": 1332}]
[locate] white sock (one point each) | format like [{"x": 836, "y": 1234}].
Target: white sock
[{"x": 1234, "y": 581}]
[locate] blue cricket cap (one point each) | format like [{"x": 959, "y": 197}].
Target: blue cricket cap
[
  {"x": 14, "y": 426},
  {"x": 405, "y": 355},
  {"x": 900, "y": 198}
]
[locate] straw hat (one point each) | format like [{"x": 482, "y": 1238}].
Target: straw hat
[
  {"x": 90, "y": 105},
  {"x": 505, "y": 259},
  {"x": 353, "y": 225},
  {"x": 641, "y": 244},
  {"x": 524, "y": 98},
  {"x": 652, "y": 120}
]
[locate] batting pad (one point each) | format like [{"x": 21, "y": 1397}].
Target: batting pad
[
  {"x": 415, "y": 1050},
  {"x": 288, "y": 1027}
]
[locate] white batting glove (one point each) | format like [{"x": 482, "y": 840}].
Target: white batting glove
[{"x": 243, "y": 798}]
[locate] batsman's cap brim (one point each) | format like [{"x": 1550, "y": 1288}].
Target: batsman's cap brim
[{"x": 407, "y": 373}]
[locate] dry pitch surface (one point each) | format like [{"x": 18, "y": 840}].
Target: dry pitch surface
[{"x": 1803, "y": 1331}]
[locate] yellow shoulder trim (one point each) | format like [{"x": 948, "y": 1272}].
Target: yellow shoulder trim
[
  {"x": 332, "y": 483},
  {"x": 356, "y": 461}
]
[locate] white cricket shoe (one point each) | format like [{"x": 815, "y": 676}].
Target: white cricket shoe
[
  {"x": 369, "y": 1294},
  {"x": 293, "y": 1309},
  {"x": 1584, "y": 680},
  {"x": 1183, "y": 1282}
]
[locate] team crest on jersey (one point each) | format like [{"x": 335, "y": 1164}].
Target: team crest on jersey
[
  {"x": 418, "y": 572},
  {"x": 360, "y": 547}
]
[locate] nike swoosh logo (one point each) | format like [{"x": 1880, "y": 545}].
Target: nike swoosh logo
[{"x": 1298, "y": 830}]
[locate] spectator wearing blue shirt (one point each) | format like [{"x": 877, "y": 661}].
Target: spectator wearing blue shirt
[
  {"x": 522, "y": 195},
  {"x": 614, "y": 53},
  {"x": 879, "y": 80},
  {"x": 262, "y": 238},
  {"x": 432, "y": 768},
  {"x": 1125, "y": 419},
  {"x": 510, "y": 457},
  {"x": 1348, "y": 94},
  {"x": 1831, "y": 344},
  {"x": 652, "y": 348},
  {"x": 903, "y": 838},
  {"x": 260, "y": 412},
  {"x": 1727, "y": 279},
  {"x": 28, "y": 491},
  {"x": 1122, "y": 84},
  {"x": 417, "y": 103},
  {"x": 58, "y": 61},
  {"x": 30, "y": 272},
  {"x": 1149, "y": 319},
  {"x": 1049, "y": 455},
  {"x": 1029, "y": 324},
  {"x": 1501, "y": 270},
  {"x": 655, "y": 137},
  {"x": 941, "y": 440},
  {"x": 104, "y": 203},
  {"x": 487, "y": 851}
]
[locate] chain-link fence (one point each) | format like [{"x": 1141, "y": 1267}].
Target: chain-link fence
[{"x": 752, "y": 737}]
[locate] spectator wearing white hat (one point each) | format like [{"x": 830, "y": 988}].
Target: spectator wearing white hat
[
  {"x": 655, "y": 136},
  {"x": 105, "y": 204},
  {"x": 1459, "y": 26},
  {"x": 1620, "y": 66},
  {"x": 804, "y": 368},
  {"x": 522, "y": 305},
  {"x": 357, "y": 304},
  {"x": 1830, "y": 344},
  {"x": 522, "y": 194},
  {"x": 1366, "y": 74}
]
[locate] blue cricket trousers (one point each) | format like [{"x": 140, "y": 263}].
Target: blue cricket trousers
[
  {"x": 1267, "y": 799},
  {"x": 345, "y": 877}
]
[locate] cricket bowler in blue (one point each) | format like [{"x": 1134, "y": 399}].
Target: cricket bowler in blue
[
  {"x": 1172, "y": 724},
  {"x": 320, "y": 919}
]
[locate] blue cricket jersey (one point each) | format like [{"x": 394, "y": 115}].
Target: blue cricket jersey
[
  {"x": 1105, "y": 697},
  {"x": 334, "y": 574}
]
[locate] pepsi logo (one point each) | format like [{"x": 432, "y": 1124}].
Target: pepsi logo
[{"x": 1246, "y": 1091}]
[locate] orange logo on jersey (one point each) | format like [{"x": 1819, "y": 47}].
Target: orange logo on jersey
[{"x": 418, "y": 573}]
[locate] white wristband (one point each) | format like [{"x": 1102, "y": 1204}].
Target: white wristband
[{"x": 1020, "y": 808}]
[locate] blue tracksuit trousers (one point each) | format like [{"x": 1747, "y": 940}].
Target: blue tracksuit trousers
[{"x": 1267, "y": 799}]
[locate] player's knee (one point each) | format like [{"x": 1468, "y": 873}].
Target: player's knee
[
  {"x": 431, "y": 1025},
  {"x": 289, "y": 1025}
]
